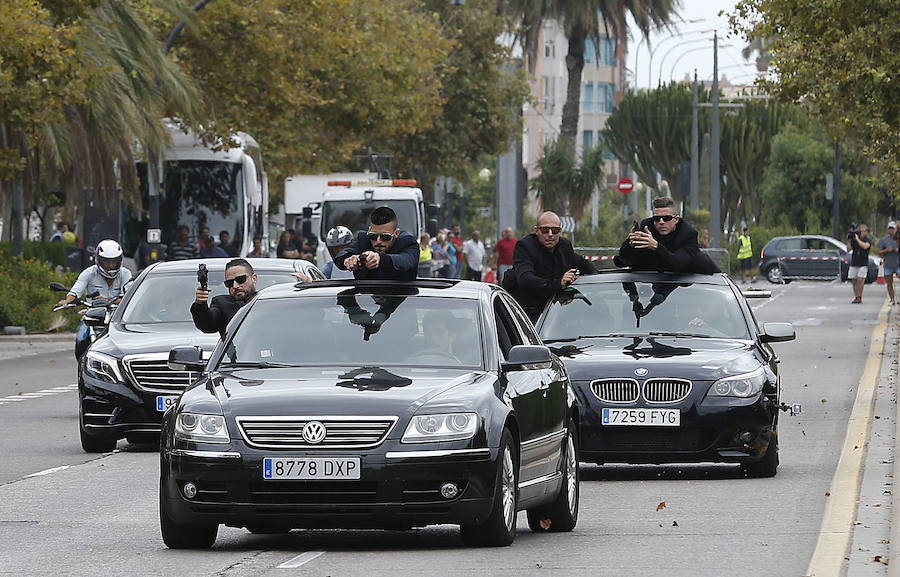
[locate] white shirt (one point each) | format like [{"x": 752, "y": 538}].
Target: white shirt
[
  {"x": 90, "y": 280},
  {"x": 474, "y": 251}
]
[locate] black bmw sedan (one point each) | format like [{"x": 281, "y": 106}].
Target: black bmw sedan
[
  {"x": 365, "y": 404},
  {"x": 124, "y": 383},
  {"x": 669, "y": 368}
]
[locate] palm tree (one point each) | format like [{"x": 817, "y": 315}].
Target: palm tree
[{"x": 581, "y": 20}]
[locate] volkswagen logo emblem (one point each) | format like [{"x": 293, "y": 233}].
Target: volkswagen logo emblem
[
  {"x": 313, "y": 432},
  {"x": 641, "y": 372}
]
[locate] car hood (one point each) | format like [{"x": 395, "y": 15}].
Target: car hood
[
  {"x": 367, "y": 391},
  {"x": 696, "y": 359},
  {"x": 135, "y": 339}
]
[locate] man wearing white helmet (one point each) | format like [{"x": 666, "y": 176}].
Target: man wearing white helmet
[
  {"x": 107, "y": 277},
  {"x": 337, "y": 239}
]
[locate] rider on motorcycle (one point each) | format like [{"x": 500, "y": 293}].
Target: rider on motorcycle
[{"x": 107, "y": 279}]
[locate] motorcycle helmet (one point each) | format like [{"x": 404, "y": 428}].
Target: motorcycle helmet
[
  {"x": 108, "y": 257},
  {"x": 338, "y": 236}
]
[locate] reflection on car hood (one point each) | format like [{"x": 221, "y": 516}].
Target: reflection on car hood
[
  {"x": 132, "y": 339},
  {"x": 688, "y": 358},
  {"x": 332, "y": 390}
]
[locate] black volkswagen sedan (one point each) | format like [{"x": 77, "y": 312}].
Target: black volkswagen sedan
[
  {"x": 124, "y": 383},
  {"x": 365, "y": 404},
  {"x": 669, "y": 368}
]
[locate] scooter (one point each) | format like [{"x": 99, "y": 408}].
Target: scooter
[{"x": 94, "y": 318}]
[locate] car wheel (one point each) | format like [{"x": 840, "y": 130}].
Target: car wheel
[
  {"x": 773, "y": 274},
  {"x": 181, "y": 536},
  {"x": 562, "y": 514},
  {"x": 95, "y": 443},
  {"x": 767, "y": 466},
  {"x": 499, "y": 529}
]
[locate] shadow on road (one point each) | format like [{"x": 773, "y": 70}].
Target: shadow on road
[{"x": 680, "y": 472}]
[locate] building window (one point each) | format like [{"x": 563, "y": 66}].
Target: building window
[
  {"x": 588, "y": 97},
  {"x": 606, "y": 97},
  {"x": 607, "y": 51},
  {"x": 590, "y": 50},
  {"x": 587, "y": 141},
  {"x": 550, "y": 49}
]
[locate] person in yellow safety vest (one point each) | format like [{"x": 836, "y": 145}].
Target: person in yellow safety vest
[{"x": 745, "y": 256}]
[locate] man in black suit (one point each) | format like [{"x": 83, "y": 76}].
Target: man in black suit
[
  {"x": 384, "y": 252},
  {"x": 543, "y": 264},
  {"x": 241, "y": 282}
]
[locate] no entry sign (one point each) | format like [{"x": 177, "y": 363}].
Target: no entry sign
[{"x": 626, "y": 185}]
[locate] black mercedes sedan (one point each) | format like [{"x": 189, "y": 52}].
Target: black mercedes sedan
[
  {"x": 369, "y": 404},
  {"x": 124, "y": 383},
  {"x": 669, "y": 368}
]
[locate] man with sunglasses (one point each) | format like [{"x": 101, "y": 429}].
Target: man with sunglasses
[
  {"x": 241, "y": 283},
  {"x": 543, "y": 263},
  {"x": 384, "y": 252},
  {"x": 665, "y": 242}
]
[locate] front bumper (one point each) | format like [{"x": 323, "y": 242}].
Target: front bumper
[
  {"x": 712, "y": 429},
  {"x": 399, "y": 487},
  {"x": 117, "y": 409}
]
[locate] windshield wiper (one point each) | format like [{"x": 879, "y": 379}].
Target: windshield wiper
[
  {"x": 571, "y": 339},
  {"x": 255, "y": 365},
  {"x": 674, "y": 334}
]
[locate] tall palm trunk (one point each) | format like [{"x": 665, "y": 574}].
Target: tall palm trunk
[{"x": 568, "y": 129}]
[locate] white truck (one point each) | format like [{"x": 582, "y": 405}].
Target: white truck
[{"x": 348, "y": 200}]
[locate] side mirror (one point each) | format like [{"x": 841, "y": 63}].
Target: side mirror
[
  {"x": 527, "y": 357},
  {"x": 777, "y": 332},
  {"x": 58, "y": 287},
  {"x": 95, "y": 317},
  {"x": 186, "y": 359},
  {"x": 756, "y": 294}
]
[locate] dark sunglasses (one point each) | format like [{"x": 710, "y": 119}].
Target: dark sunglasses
[
  {"x": 384, "y": 236},
  {"x": 240, "y": 279},
  {"x": 664, "y": 217},
  {"x": 549, "y": 229}
]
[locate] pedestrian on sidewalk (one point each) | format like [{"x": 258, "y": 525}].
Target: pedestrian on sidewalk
[
  {"x": 859, "y": 243},
  {"x": 473, "y": 253},
  {"x": 887, "y": 248}
]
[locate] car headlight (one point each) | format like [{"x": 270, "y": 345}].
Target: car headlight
[
  {"x": 201, "y": 428},
  {"x": 743, "y": 386},
  {"x": 446, "y": 427},
  {"x": 103, "y": 367}
]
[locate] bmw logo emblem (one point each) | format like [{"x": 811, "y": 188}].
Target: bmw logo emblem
[
  {"x": 641, "y": 372},
  {"x": 313, "y": 432}
]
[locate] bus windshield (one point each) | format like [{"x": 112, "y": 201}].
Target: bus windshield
[
  {"x": 196, "y": 193},
  {"x": 354, "y": 214}
]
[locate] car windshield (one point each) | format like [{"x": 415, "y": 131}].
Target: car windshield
[
  {"x": 167, "y": 298},
  {"x": 360, "y": 330},
  {"x": 644, "y": 308}
]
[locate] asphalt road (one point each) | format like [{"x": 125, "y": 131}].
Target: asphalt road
[{"x": 63, "y": 512}]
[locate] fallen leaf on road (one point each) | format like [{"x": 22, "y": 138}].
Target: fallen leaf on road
[
  {"x": 824, "y": 400},
  {"x": 827, "y": 493},
  {"x": 880, "y": 559},
  {"x": 662, "y": 505},
  {"x": 885, "y": 541},
  {"x": 674, "y": 523}
]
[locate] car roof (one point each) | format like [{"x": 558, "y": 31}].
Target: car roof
[
  {"x": 822, "y": 236},
  {"x": 628, "y": 275},
  {"x": 218, "y": 264},
  {"x": 444, "y": 288}
]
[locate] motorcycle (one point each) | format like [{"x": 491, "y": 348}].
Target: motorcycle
[{"x": 94, "y": 317}]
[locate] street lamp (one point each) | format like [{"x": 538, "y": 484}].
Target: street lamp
[
  {"x": 672, "y": 49},
  {"x": 685, "y": 53},
  {"x": 663, "y": 41}
]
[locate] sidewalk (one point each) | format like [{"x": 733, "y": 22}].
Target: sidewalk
[{"x": 17, "y": 346}]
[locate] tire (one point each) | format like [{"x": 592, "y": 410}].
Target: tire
[
  {"x": 95, "y": 443},
  {"x": 561, "y": 515},
  {"x": 773, "y": 274},
  {"x": 179, "y": 536},
  {"x": 767, "y": 466},
  {"x": 499, "y": 529}
]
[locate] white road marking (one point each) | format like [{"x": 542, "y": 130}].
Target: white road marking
[
  {"x": 38, "y": 394},
  {"x": 300, "y": 559},
  {"x": 47, "y": 471}
]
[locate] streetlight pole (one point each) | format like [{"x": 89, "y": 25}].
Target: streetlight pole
[
  {"x": 663, "y": 41},
  {"x": 715, "y": 192},
  {"x": 672, "y": 49},
  {"x": 682, "y": 55},
  {"x": 695, "y": 146}
]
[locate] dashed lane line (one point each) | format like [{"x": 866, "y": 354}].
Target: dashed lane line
[
  {"x": 38, "y": 394},
  {"x": 300, "y": 559}
]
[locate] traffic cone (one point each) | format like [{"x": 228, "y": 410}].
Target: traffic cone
[{"x": 880, "y": 279}]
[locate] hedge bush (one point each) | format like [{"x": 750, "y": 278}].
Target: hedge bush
[
  {"x": 52, "y": 252},
  {"x": 25, "y": 297}
]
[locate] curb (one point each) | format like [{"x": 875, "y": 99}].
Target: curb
[{"x": 38, "y": 338}]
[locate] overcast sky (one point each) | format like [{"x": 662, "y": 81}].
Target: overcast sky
[{"x": 681, "y": 55}]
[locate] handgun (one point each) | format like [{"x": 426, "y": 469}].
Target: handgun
[
  {"x": 635, "y": 226},
  {"x": 203, "y": 277},
  {"x": 361, "y": 259}
]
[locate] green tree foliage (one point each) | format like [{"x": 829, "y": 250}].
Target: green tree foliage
[
  {"x": 482, "y": 97},
  {"x": 651, "y": 131},
  {"x": 313, "y": 81},
  {"x": 793, "y": 190},
  {"x": 840, "y": 59},
  {"x": 563, "y": 185}
]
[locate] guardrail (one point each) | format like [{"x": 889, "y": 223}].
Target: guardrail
[{"x": 822, "y": 265}]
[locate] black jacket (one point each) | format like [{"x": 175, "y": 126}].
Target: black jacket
[
  {"x": 216, "y": 316},
  {"x": 536, "y": 273},
  {"x": 678, "y": 251},
  {"x": 399, "y": 262}
]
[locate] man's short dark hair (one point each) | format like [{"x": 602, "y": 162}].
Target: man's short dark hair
[
  {"x": 239, "y": 262},
  {"x": 259, "y": 238},
  {"x": 182, "y": 227},
  {"x": 663, "y": 202},
  {"x": 224, "y": 232},
  {"x": 383, "y": 215}
]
